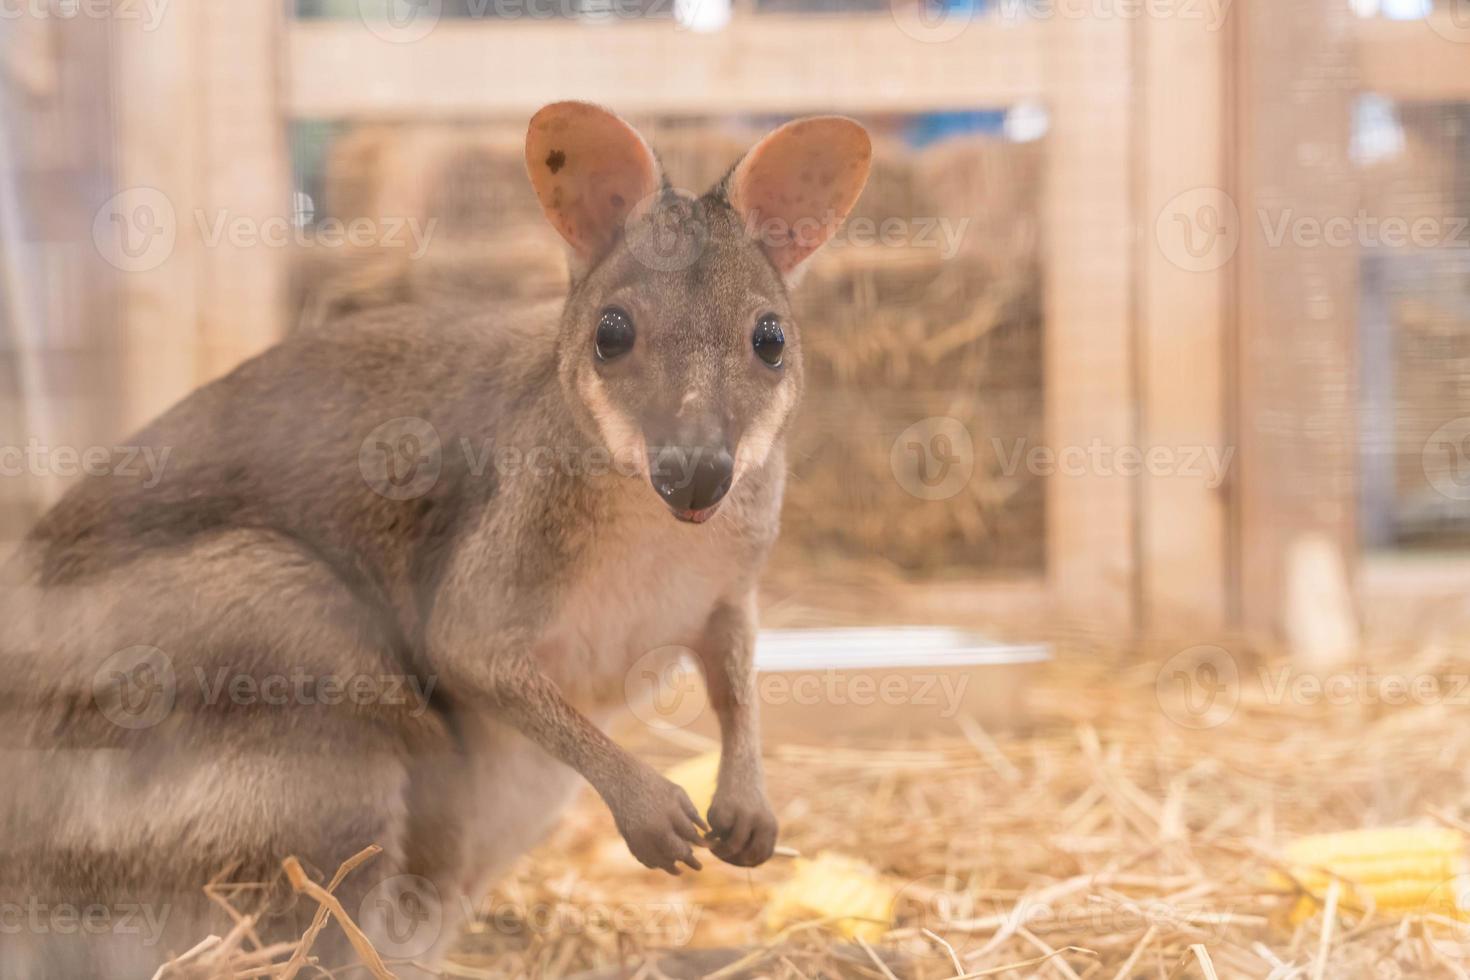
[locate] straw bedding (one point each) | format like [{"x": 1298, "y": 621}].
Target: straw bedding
[{"x": 1108, "y": 840}]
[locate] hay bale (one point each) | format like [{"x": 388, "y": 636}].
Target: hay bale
[{"x": 897, "y": 335}]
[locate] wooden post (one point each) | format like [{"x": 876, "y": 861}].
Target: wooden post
[
  {"x": 245, "y": 176},
  {"x": 204, "y": 182},
  {"x": 1297, "y": 307},
  {"x": 144, "y": 231},
  {"x": 1091, "y": 514},
  {"x": 1184, "y": 275},
  {"x": 58, "y": 322}
]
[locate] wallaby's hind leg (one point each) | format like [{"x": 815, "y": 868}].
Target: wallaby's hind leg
[{"x": 204, "y": 711}]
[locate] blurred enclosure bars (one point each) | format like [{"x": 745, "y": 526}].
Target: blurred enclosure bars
[{"x": 1160, "y": 314}]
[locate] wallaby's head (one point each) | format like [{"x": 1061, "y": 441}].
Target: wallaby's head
[{"x": 677, "y": 347}]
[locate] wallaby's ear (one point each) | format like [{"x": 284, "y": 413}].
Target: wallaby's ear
[
  {"x": 589, "y": 169},
  {"x": 794, "y": 188}
]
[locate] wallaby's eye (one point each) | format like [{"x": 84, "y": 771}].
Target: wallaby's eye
[
  {"x": 768, "y": 340},
  {"x": 614, "y": 334}
]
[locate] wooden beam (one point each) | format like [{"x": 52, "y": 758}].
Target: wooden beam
[
  {"x": 1184, "y": 277},
  {"x": 143, "y": 231},
  {"x": 1416, "y": 60},
  {"x": 1091, "y": 514},
  {"x": 245, "y": 177},
  {"x": 204, "y": 195},
  {"x": 1297, "y": 399},
  {"x": 773, "y": 63}
]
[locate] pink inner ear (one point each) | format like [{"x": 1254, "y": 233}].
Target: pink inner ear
[
  {"x": 589, "y": 169},
  {"x": 798, "y": 184}
]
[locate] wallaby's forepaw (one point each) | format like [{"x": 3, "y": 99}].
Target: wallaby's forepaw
[
  {"x": 660, "y": 824},
  {"x": 742, "y": 827}
]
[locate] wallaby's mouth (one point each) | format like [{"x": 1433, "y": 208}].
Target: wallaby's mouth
[{"x": 697, "y": 516}]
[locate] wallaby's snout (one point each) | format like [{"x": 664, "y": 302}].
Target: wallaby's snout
[{"x": 692, "y": 480}]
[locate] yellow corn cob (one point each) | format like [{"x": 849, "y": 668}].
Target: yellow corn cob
[
  {"x": 698, "y": 777},
  {"x": 1399, "y": 870},
  {"x": 832, "y": 886}
]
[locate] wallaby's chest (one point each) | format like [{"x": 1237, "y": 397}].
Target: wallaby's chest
[{"x": 640, "y": 590}]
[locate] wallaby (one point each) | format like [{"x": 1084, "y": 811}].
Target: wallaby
[{"x": 389, "y": 584}]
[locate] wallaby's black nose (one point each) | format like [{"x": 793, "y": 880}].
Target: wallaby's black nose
[{"x": 691, "y": 480}]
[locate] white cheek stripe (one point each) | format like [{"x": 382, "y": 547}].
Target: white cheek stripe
[
  {"x": 623, "y": 438},
  {"x": 756, "y": 445}
]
